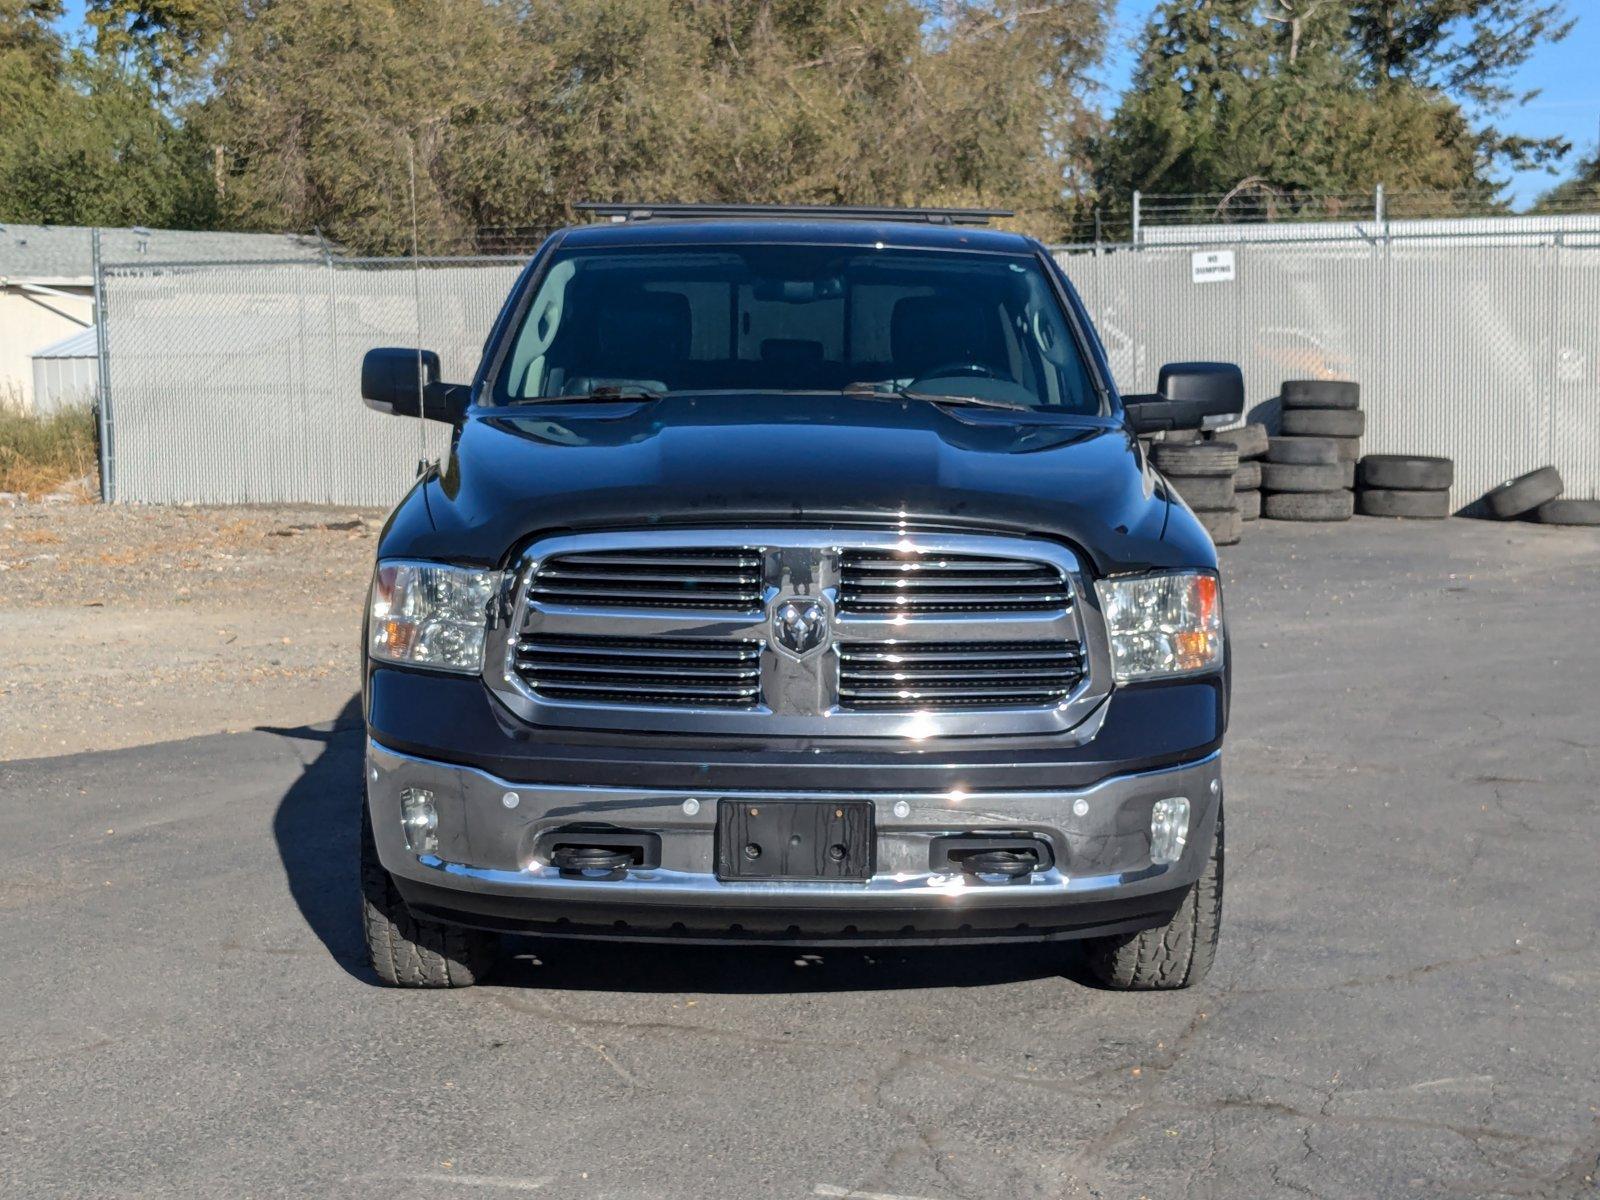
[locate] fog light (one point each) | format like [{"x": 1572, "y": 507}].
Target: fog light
[
  {"x": 420, "y": 820},
  {"x": 1169, "y": 829}
]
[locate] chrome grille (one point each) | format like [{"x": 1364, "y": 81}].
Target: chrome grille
[
  {"x": 918, "y": 581},
  {"x": 727, "y": 579},
  {"x": 921, "y": 675},
  {"x": 648, "y": 671},
  {"x": 684, "y": 631}
]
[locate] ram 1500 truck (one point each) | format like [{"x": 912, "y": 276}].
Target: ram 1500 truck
[{"x": 794, "y": 576}]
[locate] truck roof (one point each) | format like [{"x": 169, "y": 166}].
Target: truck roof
[{"x": 797, "y": 231}]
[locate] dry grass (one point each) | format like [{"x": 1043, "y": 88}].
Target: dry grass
[{"x": 40, "y": 454}]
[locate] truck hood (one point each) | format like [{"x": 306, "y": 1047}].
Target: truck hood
[{"x": 822, "y": 460}]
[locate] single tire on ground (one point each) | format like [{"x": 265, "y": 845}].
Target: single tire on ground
[
  {"x": 1303, "y": 450},
  {"x": 1249, "y": 440},
  {"x": 1408, "y": 472},
  {"x": 1302, "y": 477},
  {"x": 1308, "y": 506},
  {"x": 1248, "y": 477},
  {"x": 1320, "y": 393},
  {"x": 1199, "y": 458},
  {"x": 1524, "y": 493},
  {"x": 1568, "y": 512},
  {"x": 1324, "y": 422},
  {"x": 405, "y": 950},
  {"x": 1248, "y": 504},
  {"x": 1175, "y": 955},
  {"x": 1393, "y": 502},
  {"x": 1222, "y": 526},
  {"x": 1205, "y": 493}
]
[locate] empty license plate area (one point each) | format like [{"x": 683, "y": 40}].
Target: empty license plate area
[{"x": 800, "y": 840}]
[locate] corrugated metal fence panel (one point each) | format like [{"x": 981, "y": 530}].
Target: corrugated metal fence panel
[
  {"x": 239, "y": 383},
  {"x": 1488, "y": 355}
]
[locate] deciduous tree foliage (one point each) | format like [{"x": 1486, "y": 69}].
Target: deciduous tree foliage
[
  {"x": 510, "y": 115},
  {"x": 82, "y": 140}
]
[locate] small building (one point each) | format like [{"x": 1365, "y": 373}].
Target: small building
[
  {"x": 67, "y": 373},
  {"x": 47, "y": 283}
]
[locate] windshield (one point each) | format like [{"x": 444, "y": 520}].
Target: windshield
[{"x": 797, "y": 319}]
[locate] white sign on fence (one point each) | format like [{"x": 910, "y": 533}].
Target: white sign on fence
[{"x": 1211, "y": 266}]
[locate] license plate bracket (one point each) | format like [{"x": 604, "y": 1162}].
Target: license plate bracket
[{"x": 815, "y": 841}]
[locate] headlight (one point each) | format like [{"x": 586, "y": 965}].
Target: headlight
[
  {"x": 431, "y": 615},
  {"x": 1162, "y": 625}
]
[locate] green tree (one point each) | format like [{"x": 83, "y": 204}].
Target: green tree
[
  {"x": 82, "y": 139},
  {"x": 512, "y": 114},
  {"x": 1580, "y": 193},
  {"x": 1330, "y": 97}
]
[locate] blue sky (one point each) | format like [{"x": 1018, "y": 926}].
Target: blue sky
[{"x": 1568, "y": 106}]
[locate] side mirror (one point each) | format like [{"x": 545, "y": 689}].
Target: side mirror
[
  {"x": 1187, "y": 394},
  {"x": 391, "y": 383}
]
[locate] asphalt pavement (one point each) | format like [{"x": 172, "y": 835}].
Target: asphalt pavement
[{"x": 1406, "y": 1002}]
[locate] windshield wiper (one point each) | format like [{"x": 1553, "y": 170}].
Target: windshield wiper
[
  {"x": 610, "y": 391},
  {"x": 890, "y": 392}
]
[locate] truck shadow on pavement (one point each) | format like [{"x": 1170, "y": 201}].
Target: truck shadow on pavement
[{"x": 315, "y": 828}]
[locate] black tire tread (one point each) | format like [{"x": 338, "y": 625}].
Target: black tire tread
[
  {"x": 1396, "y": 502},
  {"x": 1195, "y": 458},
  {"x": 1407, "y": 472},
  {"x": 1324, "y": 422},
  {"x": 1568, "y": 512},
  {"x": 1524, "y": 493},
  {"x": 1302, "y": 477},
  {"x": 1204, "y": 493},
  {"x": 405, "y": 950},
  {"x": 1308, "y": 506},
  {"x": 1320, "y": 393},
  {"x": 1223, "y": 527},
  {"x": 1249, "y": 440},
  {"x": 1178, "y": 954},
  {"x": 1303, "y": 451}
]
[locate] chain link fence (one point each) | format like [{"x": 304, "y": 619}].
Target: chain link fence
[
  {"x": 232, "y": 383},
  {"x": 237, "y": 382}
]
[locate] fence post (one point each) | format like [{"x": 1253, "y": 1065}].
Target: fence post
[
  {"x": 108, "y": 491},
  {"x": 1136, "y": 199}
]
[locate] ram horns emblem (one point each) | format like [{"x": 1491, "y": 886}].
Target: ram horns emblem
[{"x": 800, "y": 625}]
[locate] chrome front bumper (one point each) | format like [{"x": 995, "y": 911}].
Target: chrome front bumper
[{"x": 485, "y": 871}]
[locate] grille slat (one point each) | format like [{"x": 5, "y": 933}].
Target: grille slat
[
  {"x": 910, "y": 675},
  {"x": 912, "y": 582},
  {"x": 726, "y": 580},
  {"x": 642, "y": 671}
]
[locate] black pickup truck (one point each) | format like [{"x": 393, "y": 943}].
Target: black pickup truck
[{"x": 794, "y": 576}]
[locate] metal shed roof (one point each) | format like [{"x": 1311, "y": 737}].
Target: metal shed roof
[
  {"x": 64, "y": 253},
  {"x": 82, "y": 344}
]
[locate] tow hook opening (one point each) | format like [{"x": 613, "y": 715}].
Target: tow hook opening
[
  {"x": 607, "y": 852},
  {"x": 991, "y": 857}
]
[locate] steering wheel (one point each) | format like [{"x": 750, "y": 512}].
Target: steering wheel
[{"x": 945, "y": 370}]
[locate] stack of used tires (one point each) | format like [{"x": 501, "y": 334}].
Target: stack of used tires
[
  {"x": 1538, "y": 495},
  {"x": 1310, "y": 470},
  {"x": 1251, "y": 443},
  {"x": 1404, "y": 485},
  {"x": 1202, "y": 473}
]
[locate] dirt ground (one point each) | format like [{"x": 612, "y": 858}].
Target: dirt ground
[{"x": 124, "y": 625}]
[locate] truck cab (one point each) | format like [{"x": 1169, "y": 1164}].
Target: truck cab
[{"x": 794, "y": 576}]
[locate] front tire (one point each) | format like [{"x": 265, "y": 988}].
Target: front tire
[
  {"x": 1175, "y": 955},
  {"x": 405, "y": 950}
]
